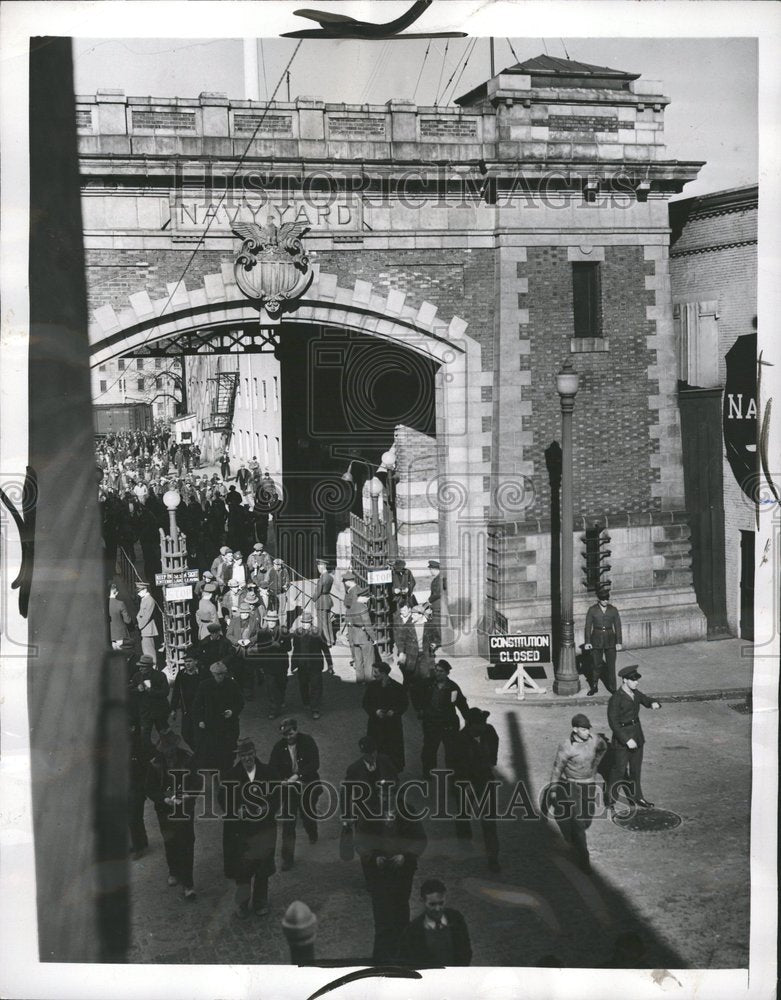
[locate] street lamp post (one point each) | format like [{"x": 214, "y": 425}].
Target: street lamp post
[
  {"x": 566, "y": 676},
  {"x": 173, "y": 549}
]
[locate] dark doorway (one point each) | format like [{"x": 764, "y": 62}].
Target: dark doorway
[
  {"x": 703, "y": 486},
  {"x": 747, "y": 585},
  {"x": 342, "y": 396}
]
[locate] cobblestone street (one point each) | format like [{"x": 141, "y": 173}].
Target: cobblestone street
[{"x": 685, "y": 891}]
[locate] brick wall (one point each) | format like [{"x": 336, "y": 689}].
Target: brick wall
[{"x": 611, "y": 445}]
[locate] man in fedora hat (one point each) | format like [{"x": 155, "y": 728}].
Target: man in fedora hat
[
  {"x": 623, "y": 716},
  {"x": 279, "y": 585},
  {"x": 145, "y": 620},
  {"x": 296, "y": 758},
  {"x": 475, "y": 752},
  {"x": 308, "y": 661},
  {"x": 149, "y": 698},
  {"x": 249, "y": 832},
  {"x": 573, "y": 785},
  {"x": 273, "y": 645},
  {"x": 216, "y": 709},
  {"x": 119, "y": 619},
  {"x": 363, "y": 638},
  {"x": 206, "y": 612},
  {"x": 170, "y": 784},
  {"x": 602, "y": 639}
]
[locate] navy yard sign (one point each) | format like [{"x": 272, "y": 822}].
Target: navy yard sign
[{"x": 740, "y": 412}]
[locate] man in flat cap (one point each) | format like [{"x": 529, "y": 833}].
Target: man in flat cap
[
  {"x": 602, "y": 639},
  {"x": 206, "y": 612},
  {"x": 273, "y": 646},
  {"x": 475, "y": 752},
  {"x": 249, "y": 832},
  {"x": 623, "y": 716},
  {"x": 573, "y": 785},
  {"x": 440, "y": 698},
  {"x": 432, "y": 630},
  {"x": 149, "y": 698},
  {"x": 296, "y": 759},
  {"x": 217, "y": 565},
  {"x": 183, "y": 692},
  {"x": 211, "y": 649},
  {"x": 363, "y": 638},
  {"x": 216, "y": 709}
]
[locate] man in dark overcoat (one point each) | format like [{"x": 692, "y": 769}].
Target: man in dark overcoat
[
  {"x": 174, "y": 797},
  {"x": 273, "y": 646},
  {"x": 308, "y": 661},
  {"x": 385, "y": 702},
  {"x": 602, "y": 637},
  {"x": 296, "y": 759},
  {"x": 216, "y": 710},
  {"x": 475, "y": 751}
]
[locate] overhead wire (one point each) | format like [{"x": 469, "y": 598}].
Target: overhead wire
[
  {"x": 441, "y": 71},
  {"x": 422, "y": 66},
  {"x": 213, "y": 216},
  {"x": 460, "y": 59},
  {"x": 463, "y": 67},
  {"x": 564, "y": 47},
  {"x": 263, "y": 64},
  {"x": 515, "y": 54}
]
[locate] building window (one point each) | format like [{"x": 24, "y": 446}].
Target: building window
[
  {"x": 257, "y": 436},
  {"x": 276, "y": 393},
  {"x": 587, "y": 299},
  {"x": 697, "y": 341},
  {"x": 265, "y": 395},
  {"x": 101, "y": 368},
  {"x": 140, "y": 364},
  {"x": 246, "y": 392},
  {"x": 158, "y": 363},
  {"x": 265, "y": 449},
  {"x": 158, "y": 383},
  {"x": 255, "y": 392},
  {"x": 276, "y": 452},
  {"x": 140, "y": 385},
  {"x": 103, "y": 385},
  {"x": 121, "y": 364}
]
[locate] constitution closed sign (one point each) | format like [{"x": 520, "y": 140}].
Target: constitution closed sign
[{"x": 520, "y": 649}]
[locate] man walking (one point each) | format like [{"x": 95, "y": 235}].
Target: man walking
[
  {"x": 249, "y": 832},
  {"x": 438, "y": 936},
  {"x": 323, "y": 601},
  {"x": 273, "y": 644},
  {"x": 475, "y": 752},
  {"x": 174, "y": 799},
  {"x": 603, "y": 638},
  {"x": 296, "y": 759},
  {"x": 149, "y": 698},
  {"x": 216, "y": 709},
  {"x": 623, "y": 716},
  {"x": 307, "y": 663},
  {"x": 573, "y": 784},
  {"x": 145, "y": 620},
  {"x": 385, "y": 702},
  {"x": 185, "y": 688},
  {"x": 440, "y": 699}
]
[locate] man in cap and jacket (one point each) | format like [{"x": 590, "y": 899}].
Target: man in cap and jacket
[
  {"x": 432, "y": 630},
  {"x": 623, "y": 716},
  {"x": 242, "y": 634},
  {"x": 206, "y": 612},
  {"x": 573, "y": 785},
  {"x": 183, "y": 692},
  {"x": 602, "y": 639},
  {"x": 174, "y": 796},
  {"x": 249, "y": 832},
  {"x": 475, "y": 752},
  {"x": 145, "y": 620},
  {"x": 385, "y": 702},
  {"x": 308, "y": 661},
  {"x": 213, "y": 648},
  {"x": 438, "y": 936},
  {"x": 372, "y": 771},
  {"x": 218, "y": 563},
  {"x": 296, "y": 758},
  {"x": 216, "y": 709},
  {"x": 323, "y": 601},
  {"x": 363, "y": 638},
  {"x": 273, "y": 646},
  {"x": 279, "y": 585},
  {"x": 440, "y": 698}
]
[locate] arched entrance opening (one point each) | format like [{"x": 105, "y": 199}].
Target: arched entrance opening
[{"x": 355, "y": 367}]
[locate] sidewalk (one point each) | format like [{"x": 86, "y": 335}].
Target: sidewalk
[{"x": 690, "y": 671}]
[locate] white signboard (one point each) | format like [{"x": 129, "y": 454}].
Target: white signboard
[
  {"x": 181, "y": 593},
  {"x": 379, "y": 576}
]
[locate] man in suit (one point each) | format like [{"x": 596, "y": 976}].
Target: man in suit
[
  {"x": 279, "y": 584},
  {"x": 371, "y": 771},
  {"x": 206, "y": 613},
  {"x": 475, "y": 752},
  {"x": 119, "y": 619},
  {"x": 603, "y": 638},
  {"x": 216, "y": 709},
  {"x": 249, "y": 831},
  {"x": 145, "y": 619},
  {"x": 307, "y": 663},
  {"x": 323, "y": 601},
  {"x": 363, "y": 638},
  {"x": 296, "y": 760},
  {"x": 273, "y": 646},
  {"x": 438, "y": 936},
  {"x": 385, "y": 702},
  {"x": 149, "y": 698},
  {"x": 183, "y": 692},
  {"x": 242, "y": 633},
  {"x": 623, "y": 716}
]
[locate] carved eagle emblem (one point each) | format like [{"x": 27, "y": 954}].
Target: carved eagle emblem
[{"x": 287, "y": 236}]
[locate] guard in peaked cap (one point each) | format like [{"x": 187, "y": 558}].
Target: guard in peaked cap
[{"x": 623, "y": 716}]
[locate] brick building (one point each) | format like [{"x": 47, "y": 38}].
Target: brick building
[
  {"x": 459, "y": 256},
  {"x": 713, "y": 271}
]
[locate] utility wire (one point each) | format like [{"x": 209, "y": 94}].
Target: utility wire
[
  {"x": 466, "y": 63},
  {"x": 263, "y": 64},
  {"x": 455, "y": 68},
  {"x": 441, "y": 71},
  {"x": 422, "y": 65},
  {"x": 564, "y": 47},
  {"x": 515, "y": 54},
  {"x": 202, "y": 237}
]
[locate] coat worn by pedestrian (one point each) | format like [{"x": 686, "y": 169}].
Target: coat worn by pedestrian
[
  {"x": 119, "y": 619},
  {"x": 149, "y": 697},
  {"x": 218, "y": 737},
  {"x": 474, "y": 758},
  {"x": 603, "y": 628},
  {"x": 383, "y": 839},
  {"x": 249, "y": 840},
  {"x": 623, "y": 716},
  {"x": 413, "y": 948},
  {"x": 386, "y": 731},
  {"x": 145, "y": 617}
]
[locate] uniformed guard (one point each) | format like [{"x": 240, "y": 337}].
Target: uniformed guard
[
  {"x": 623, "y": 716},
  {"x": 603, "y": 638}
]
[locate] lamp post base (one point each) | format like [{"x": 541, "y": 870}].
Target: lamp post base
[{"x": 566, "y": 680}]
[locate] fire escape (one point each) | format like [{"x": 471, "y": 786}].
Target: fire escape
[{"x": 224, "y": 397}]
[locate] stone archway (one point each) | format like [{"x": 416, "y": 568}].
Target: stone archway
[{"x": 459, "y": 493}]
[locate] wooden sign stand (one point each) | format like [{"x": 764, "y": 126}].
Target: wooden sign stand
[{"x": 521, "y": 679}]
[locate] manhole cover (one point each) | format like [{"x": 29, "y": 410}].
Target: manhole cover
[{"x": 648, "y": 820}]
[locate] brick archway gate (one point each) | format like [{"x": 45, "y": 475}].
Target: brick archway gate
[{"x": 457, "y": 495}]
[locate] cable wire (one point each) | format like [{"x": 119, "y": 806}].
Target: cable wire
[
  {"x": 455, "y": 68},
  {"x": 441, "y": 71},
  {"x": 466, "y": 63},
  {"x": 422, "y": 66},
  {"x": 515, "y": 54},
  {"x": 202, "y": 237}
]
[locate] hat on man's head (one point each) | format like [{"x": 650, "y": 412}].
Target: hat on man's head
[
  {"x": 349, "y": 575},
  {"x": 244, "y": 745},
  {"x": 234, "y": 584},
  {"x": 288, "y": 724},
  {"x": 218, "y": 668},
  {"x": 258, "y": 547},
  {"x": 250, "y": 600},
  {"x": 224, "y": 549},
  {"x": 433, "y": 564},
  {"x": 306, "y": 616},
  {"x": 630, "y": 673},
  {"x": 444, "y": 665},
  {"x": 237, "y": 555},
  {"x": 214, "y": 627},
  {"x": 140, "y": 585},
  {"x": 603, "y": 594},
  {"x": 474, "y": 716},
  {"x": 208, "y": 575},
  {"x": 399, "y": 563},
  {"x": 145, "y": 661},
  {"x": 272, "y": 615},
  {"x": 580, "y": 721}
]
